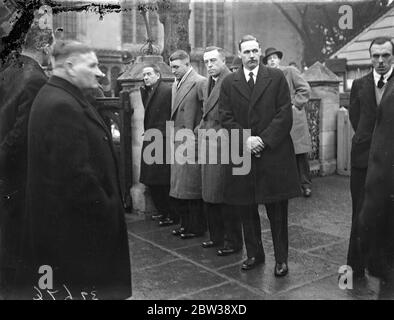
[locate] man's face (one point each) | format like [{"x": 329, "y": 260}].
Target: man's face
[
  {"x": 273, "y": 61},
  {"x": 214, "y": 62},
  {"x": 250, "y": 54},
  {"x": 85, "y": 71},
  {"x": 150, "y": 76},
  {"x": 179, "y": 68},
  {"x": 382, "y": 57}
]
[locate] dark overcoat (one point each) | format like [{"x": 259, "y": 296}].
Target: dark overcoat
[
  {"x": 213, "y": 174},
  {"x": 186, "y": 112},
  {"x": 157, "y": 106},
  {"x": 267, "y": 113},
  {"x": 362, "y": 115},
  {"x": 74, "y": 203},
  {"x": 20, "y": 81},
  {"x": 376, "y": 216}
]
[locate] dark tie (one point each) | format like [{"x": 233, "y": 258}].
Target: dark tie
[
  {"x": 250, "y": 81},
  {"x": 381, "y": 82}
]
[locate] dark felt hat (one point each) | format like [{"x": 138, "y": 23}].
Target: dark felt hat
[
  {"x": 270, "y": 51},
  {"x": 237, "y": 63}
]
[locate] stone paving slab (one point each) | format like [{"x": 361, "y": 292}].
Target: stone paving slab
[
  {"x": 171, "y": 280},
  {"x": 227, "y": 291},
  {"x": 302, "y": 269}
]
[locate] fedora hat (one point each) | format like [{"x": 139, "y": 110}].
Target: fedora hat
[
  {"x": 237, "y": 63},
  {"x": 270, "y": 51}
]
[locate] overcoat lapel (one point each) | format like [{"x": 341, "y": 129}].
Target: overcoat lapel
[
  {"x": 262, "y": 82},
  {"x": 368, "y": 94},
  {"x": 389, "y": 89},
  {"x": 213, "y": 98},
  {"x": 241, "y": 85},
  {"x": 180, "y": 93},
  {"x": 150, "y": 96}
]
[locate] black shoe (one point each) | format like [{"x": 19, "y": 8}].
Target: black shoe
[
  {"x": 177, "y": 232},
  {"x": 189, "y": 235},
  {"x": 166, "y": 222},
  {"x": 307, "y": 192},
  {"x": 222, "y": 252},
  {"x": 281, "y": 269},
  {"x": 208, "y": 244},
  {"x": 252, "y": 262},
  {"x": 155, "y": 217}
]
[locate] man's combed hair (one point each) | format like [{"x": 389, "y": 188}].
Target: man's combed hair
[
  {"x": 180, "y": 55},
  {"x": 382, "y": 40},
  {"x": 66, "y": 48},
  {"x": 213, "y": 48},
  {"x": 245, "y": 38},
  {"x": 155, "y": 67}
]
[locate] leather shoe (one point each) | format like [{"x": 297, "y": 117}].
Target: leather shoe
[
  {"x": 166, "y": 222},
  {"x": 281, "y": 269},
  {"x": 222, "y": 252},
  {"x": 307, "y": 192},
  {"x": 155, "y": 217},
  {"x": 252, "y": 262},
  {"x": 208, "y": 244},
  {"x": 177, "y": 232},
  {"x": 189, "y": 235}
]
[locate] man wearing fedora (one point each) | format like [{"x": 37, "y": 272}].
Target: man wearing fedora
[{"x": 300, "y": 92}]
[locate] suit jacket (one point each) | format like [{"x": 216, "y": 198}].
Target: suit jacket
[
  {"x": 74, "y": 205},
  {"x": 299, "y": 93},
  {"x": 213, "y": 174},
  {"x": 267, "y": 113},
  {"x": 362, "y": 114},
  {"x": 376, "y": 216},
  {"x": 157, "y": 106},
  {"x": 187, "y": 105}
]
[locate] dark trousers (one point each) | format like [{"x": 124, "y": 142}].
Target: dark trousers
[
  {"x": 277, "y": 214},
  {"x": 225, "y": 226},
  {"x": 357, "y": 189},
  {"x": 161, "y": 200},
  {"x": 191, "y": 214},
  {"x": 304, "y": 170}
]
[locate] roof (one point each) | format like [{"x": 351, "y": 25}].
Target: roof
[{"x": 357, "y": 50}]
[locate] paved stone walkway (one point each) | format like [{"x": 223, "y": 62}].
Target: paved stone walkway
[{"x": 166, "y": 267}]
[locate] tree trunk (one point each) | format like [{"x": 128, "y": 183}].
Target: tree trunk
[{"x": 174, "y": 16}]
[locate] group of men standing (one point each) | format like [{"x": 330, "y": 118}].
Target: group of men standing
[{"x": 254, "y": 98}]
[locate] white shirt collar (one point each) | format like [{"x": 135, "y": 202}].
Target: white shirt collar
[
  {"x": 255, "y": 72},
  {"x": 376, "y": 76}
]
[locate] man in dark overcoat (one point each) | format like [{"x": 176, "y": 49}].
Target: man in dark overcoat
[
  {"x": 156, "y": 98},
  {"x": 258, "y": 98},
  {"x": 74, "y": 202},
  {"x": 186, "y": 112},
  {"x": 20, "y": 80},
  {"x": 224, "y": 226},
  {"x": 376, "y": 220}
]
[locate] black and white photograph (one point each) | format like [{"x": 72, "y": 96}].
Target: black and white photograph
[{"x": 196, "y": 155}]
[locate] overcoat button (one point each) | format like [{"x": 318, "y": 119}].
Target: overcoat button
[{"x": 105, "y": 138}]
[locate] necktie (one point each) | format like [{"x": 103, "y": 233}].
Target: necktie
[
  {"x": 213, "y": 82},
  {"x": 381, "y": 82},
  {"x": 250, "y": 81}
]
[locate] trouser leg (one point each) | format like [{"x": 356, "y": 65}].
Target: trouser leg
[
  {"x": 215, "y": 221},
  {"x": 251, "y": 229},
  {"x": 232, "y": 227},
  {"x": 304, "y": 170},
  {"x": 277, "y": 213}
]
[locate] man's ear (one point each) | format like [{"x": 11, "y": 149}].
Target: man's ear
[{"x": 69, "y": 67}]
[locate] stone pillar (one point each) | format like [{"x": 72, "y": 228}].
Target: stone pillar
[
  {"x": 131, "y": 80},
  {"x": 325, "y": 86},
  {"x": 174, "y": 15}
]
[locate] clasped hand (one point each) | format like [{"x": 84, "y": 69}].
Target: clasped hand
[{"x": 254, "y": 144}]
